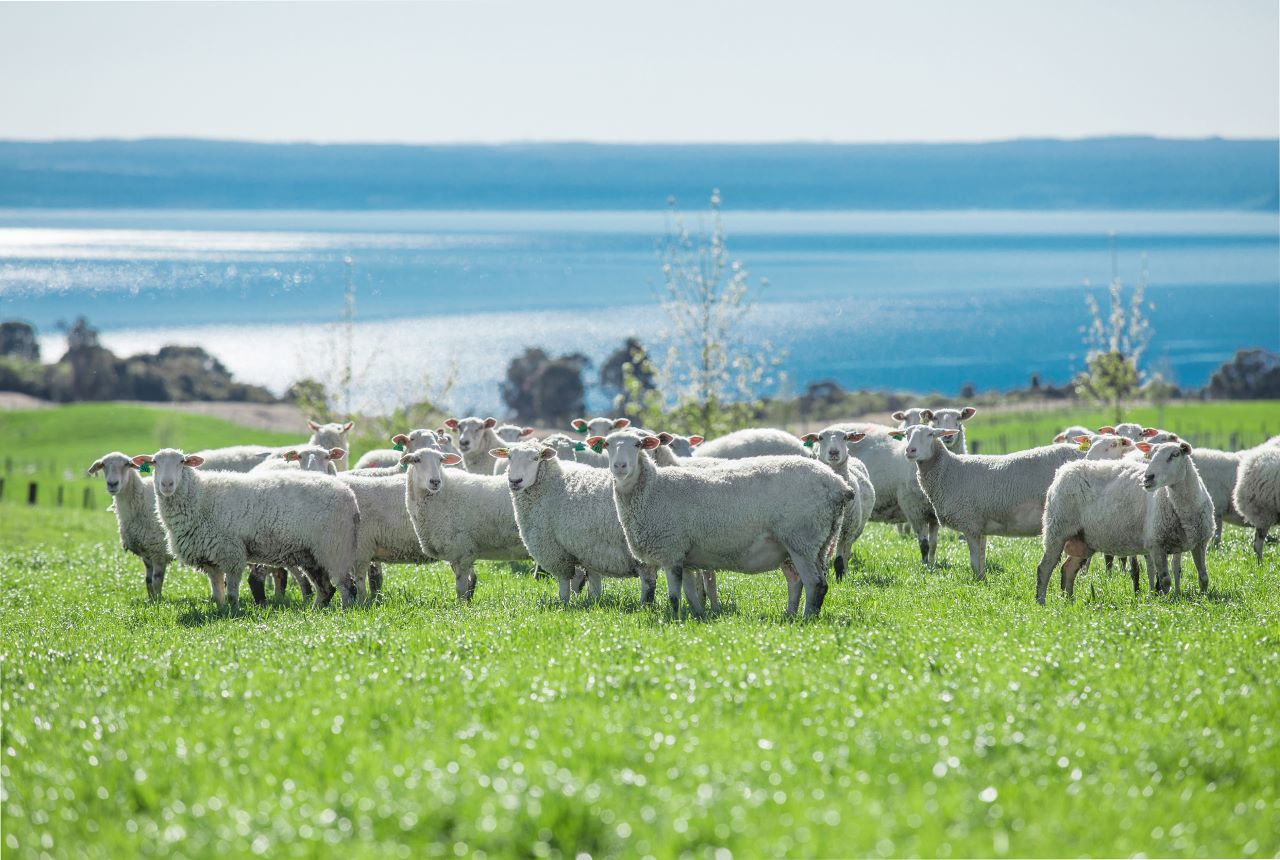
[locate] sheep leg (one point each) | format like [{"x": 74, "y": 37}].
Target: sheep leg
[
  {"x": 1135, "y": 570},
  {"x": 594, "y": 588},
  {"x": 151, "y": 579},
  {"x": 838, "y": 564},
  {"x": 304, "y": 584},
  {"x": 579, "y": 580},
  {"x": 157, "y": 577},
  {"x": 648, "y": 584},
  {"x": 709, "y": 585},
  {"x": 233, "y": 584},
  {"x": 461, "y": 579},
  {"x": 675, "y": 575},
  {"x": 1259, "y": 540},
  {"x": 815, "y": 584},
  {"x": 1197, "y": 555},
  {"x": 215, "y": 585},
  {"x": 1217, "y": 529},
  {"x": 978, "y": 554},
  {"x": 279, "y": 578},
  {"x": 1052, "y": 553},
  {"x": 933, "y": 543},
  {"x": 375, "y": 580},
  {"x": 793, "y": 588},
  {"x": 258, "y": 584},
  {"x": 1159, "y": 562},
  {"x": 1152, "y": 585},
  {"x": 566, "y": 585},
  {"x": 1070, "y": 568},
  {"x": 323, "y": 587},
  {"x": 1176, "y": 565},
  {"x": 693, "y": 593},
  {"x": 1110, "y": 560}
]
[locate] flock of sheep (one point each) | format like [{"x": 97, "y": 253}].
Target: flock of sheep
[{"x": 619, "y": 501}]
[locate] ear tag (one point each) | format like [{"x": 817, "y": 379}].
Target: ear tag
[
  {"x": 1083, "y": 446},
  {"x": 144, "y": 469},
  {"x": 808, "y": 443},
  {"x": 598, "y": 447},
  {"x": 579, "y": 446},
  {"x": 399, "y": 446},
  {"x": 582, "y": 429}
]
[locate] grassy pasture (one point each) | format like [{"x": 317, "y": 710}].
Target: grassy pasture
[{"x": 923, "y": 713}]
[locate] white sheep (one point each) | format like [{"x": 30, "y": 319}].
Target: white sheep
[
  {"x": 898, "y": 495},
  {"x": 1136, "y": 432},
  {"x": 1218, "y": 470},
  {"x": 983, "y": 494},
  {"x": 752, "y": 442},
  {"x": 414, "y": 440},
  {"x": 220, "y": 521},
  {"x": 832, "y": 445},
  {"x": 914, "y": 415},
  {"x": 751, "y": 516},
  {"x": 460, "y": 517},
  {"x": 598, "y": 426},
  {"x": 476, "y": 438},
  {"x": 513, "y": 433},
  {"x": 1072, "y": 433},
  {"x": 135, "y": 508},
  {"x": 308, "y": 458},
  {"x": 565, "y": 447},
  {"x": 1257, "y": 491},
  {"x": 242, "y": 458},
  {"x": 567, "y": 519},
  {"x": 953, "y": 419},
  {"x": 1126, "y": 507}
]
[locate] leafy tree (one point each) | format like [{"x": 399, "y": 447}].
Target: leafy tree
[
  {"x": 1252, "y": 374},
  {"x": 1115, "y": 344},
  {"x": 542, "y": 389},
  {"x": 18, "y": 340}
]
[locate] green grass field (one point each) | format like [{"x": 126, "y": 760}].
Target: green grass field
[{"x": 923, "y": 713}]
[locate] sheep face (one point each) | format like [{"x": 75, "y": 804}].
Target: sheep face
[
  {"x": 330, "y": 435},
  {"x": 1072, "y": 433},
  {"x": 831, "y": 446},
  {"x": 416, "y": 440},
  {"x": 427, "y": 472},
  {"x": 170, "y": 465},
  {"x": 624, "y": 449},
  {"x": 1169, "y": 464},
  {"x": 914, "y": 415},
  {"x": 920, "y": 440},
  {"x": 313, "y": 458},
  {"x": 1106, "y": 446},
  {"x": 1135, "y": 432},
  {"x": 681, "y": 446},
  {"x": 1162, "y": 436},
  {"x": 950, "y": 419},
  {"x": 511, "y": 433},
  {"x": 524, "y": 461},
  {"x": 599, "y": 426},
  {"x": 115, "y": 468},
  {"x": 470, "y": 430},
  {"x": 563, "y": 445}
]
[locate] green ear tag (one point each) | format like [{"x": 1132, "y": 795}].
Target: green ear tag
[
  {"x": 399, "y": 446},
  {"x": 144, "y": 469},
  {"x": 579, "y": 446},
  {"x": 598, "y": 447},
  {"x": 808, "y": 443},
  {"x": 582, "y": 429}
]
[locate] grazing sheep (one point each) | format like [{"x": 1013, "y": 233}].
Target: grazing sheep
[
  {"x": 832, "y": 445},
  {"x": 1125, "y": 507},
  {"x": 460, "y": 517},
  {"x": 1257, "y": 492},
  {"x": 135, "y": 509},
  {"x": 980, "y": 495},
  {"x": 242, "y": 458},
  {"x": 752, "y": 442},
  {"x": 476, "y": 438},
  {"x": 953, "y": 419},
  {"x": 220, "y": 521},
  {"x": 751, "y": 516},
  {"x": 898, "y": 495},
  {"x": 567, "y": 519}
]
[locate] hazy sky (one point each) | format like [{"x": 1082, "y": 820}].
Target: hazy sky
[{"x": 641, "y": 71}]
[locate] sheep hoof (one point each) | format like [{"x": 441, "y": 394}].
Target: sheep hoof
[{"x": 840, "y": 568}]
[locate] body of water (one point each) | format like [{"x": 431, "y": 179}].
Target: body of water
[{"x": 924, "y": 301}]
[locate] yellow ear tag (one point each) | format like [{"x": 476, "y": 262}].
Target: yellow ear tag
[{"x": 1083, "y": 446}]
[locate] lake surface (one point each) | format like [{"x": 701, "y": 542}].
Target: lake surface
[{"x": 925, "y": 301}]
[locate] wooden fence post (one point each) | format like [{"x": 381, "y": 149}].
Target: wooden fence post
[{"x": 32, "y": 490}]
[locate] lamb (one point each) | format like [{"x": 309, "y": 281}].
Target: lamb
[
  {"x": 1257, "y": 492},
  {"x": 135, "y": 508},
  {"x": 753, "y": 442},
  {"x": 242, "y": 458},
  {"x": 567, "y": 519},
  {"x": 460, "y": 517},
  {"x": 953, "y": 419},
  {"x": 476, "y": 438},
  {"x": 220, "y": 521},
  {"x": 1125, "y": 507},
  {"x": 832, "y": 445},
  {"x": 980, "y": 495},
  {"x": 752, "y": 517},
  {"x": 598, "y": 426},
  {"x": 898, "y": 496}
]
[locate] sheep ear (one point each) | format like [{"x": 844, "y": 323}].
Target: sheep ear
[
  {"x": 1107, "y": 429},
  {"x": 597, "y": 444},
  {"x": 648, "y": 443},
  {"x": 1083, "y": 440},
  {"x": 95, "y": 468},
  {"x": 855, "y": 436},
  {"x": 945, "y": 434},
  {"x": 400, "y": 439},
  {"x": 491, "y": 422},
  {"x": 1186, "y": 449},
  {"x": 621, "y": 423},
  {"x": 526, "y": 431},
  {"x": 193, "y": 460},
  {"x": 500, "y": 453},
  {"x": 899, "y": 416},
  {"x": 808, "y": 439},
  {"x": 695, "y": 441},
  {"x": 897, "y": 434},
  {"x": 290, "y": 455},
  {"x": 336, "y": 453},
  {"x": 452, "y": 423},
  {"x": 926, "y": 414},
  {"x": 666, "y": 438},
  {"x": 967, "y": 413},
  {"x": 312, "y": 424},
  {"x": 1144, "y": 447},
  {"x": 1061, "y": 437},
  {"x": 409, "y": 459},
  {"x": 451, "y": 459},
  {"x": 1149, "y": 431},
  {"x": 142, "y": 459},
  {"x": 578, "y": 425},
  {"x": 346, "y": 428},
  {"x": 548, "y": 453}
]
